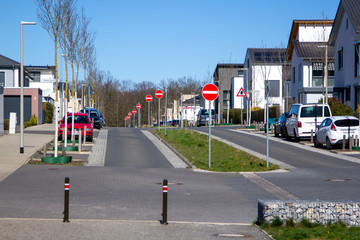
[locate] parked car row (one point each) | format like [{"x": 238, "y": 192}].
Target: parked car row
[
  {"x": 304, "y": 119},
  {"x": 88, "y": 117}
]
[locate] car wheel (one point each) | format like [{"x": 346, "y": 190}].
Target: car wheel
[
  {"x": 328, "y": 144},
  {"x": 316, "y": 143},
  {"x": 296, "y": 138},
  {"x": 288, "y": 137},
  {"x": 276, "y": 134}
]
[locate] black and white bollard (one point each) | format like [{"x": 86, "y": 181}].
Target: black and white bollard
[
  {"x": 165, "y": 192},
  {"x": 66, "y": 200}
]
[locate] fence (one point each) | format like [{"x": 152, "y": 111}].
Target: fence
[{"x": 322, "y": 212}]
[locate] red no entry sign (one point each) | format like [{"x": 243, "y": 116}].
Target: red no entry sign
[
  {"x": 210, "y": 92},
  {"x": 134, "y": 111},
  {"x": 129, "y": 114},
  {"x": 138, "y": 106},
  {"x": 159, "y": 94},
  {"x": 148, "y": 98}
]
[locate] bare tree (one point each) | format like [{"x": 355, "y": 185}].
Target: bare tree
[{"x": 49, "y": 14}]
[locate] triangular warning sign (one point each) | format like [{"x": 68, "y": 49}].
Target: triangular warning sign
[{"x": 241, "y": 93}]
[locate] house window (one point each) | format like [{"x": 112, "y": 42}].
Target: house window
[
  {"x": 2, "y": 79},
  {"x": 274, "y": 88},
  {"x": 317, "y": 74},
  {"x": 300, "y": 72},
  {"x": 226, "y": 98},
  {"x": 340, "y": 59},
  {"x": 293, "y": 74},
  {"x": 331, "y": 74},
  {"x": 35, "y": 76},
  {"x": 357, "y": 64},
  {"x": 241, "y": 73}
]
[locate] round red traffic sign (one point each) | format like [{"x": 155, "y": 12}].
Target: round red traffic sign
[
  {"x": 148, "y": 98},
  {"x": 134, "y": 111},
  {"x": 138, "y": 106},
  {"x": 129, "y": 114},
  {"x": 210, "y": 92},
  {"x": 159, "y": 94}
]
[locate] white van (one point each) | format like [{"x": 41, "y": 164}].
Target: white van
[{"x": 305, "y": 117}]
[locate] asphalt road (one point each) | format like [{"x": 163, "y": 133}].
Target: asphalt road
[
  {"x": 130, "y": 148},
  {"x": 293, "y": 155}
]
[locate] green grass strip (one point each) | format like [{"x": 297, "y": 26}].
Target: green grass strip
[
  {"x": 224, "y": 158},
  {"x": 308, "y": 230}
]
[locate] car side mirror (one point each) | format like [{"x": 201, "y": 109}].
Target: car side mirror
[{"x": 317, "y": 127}]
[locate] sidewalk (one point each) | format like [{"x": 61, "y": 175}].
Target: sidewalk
[{"x": 34, "y": 138}]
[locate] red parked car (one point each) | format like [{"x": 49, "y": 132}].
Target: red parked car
[{"x": 80, "y": 121}]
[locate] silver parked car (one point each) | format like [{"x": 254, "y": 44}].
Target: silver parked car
[{"x": 332, "y": 130}]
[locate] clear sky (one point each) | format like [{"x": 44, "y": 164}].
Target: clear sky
[{"x": 152, "y": 40}]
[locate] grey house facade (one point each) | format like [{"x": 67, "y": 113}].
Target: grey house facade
[{"x": 223, "y": 78}]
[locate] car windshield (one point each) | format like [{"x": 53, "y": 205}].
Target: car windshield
[
  {"x": 93, "y": 114},
  {"x": 206, "y": 112},
  {"x": 314, "y": 111},
  {"x": 347, "y": 123},
  {"x": 78, "y": 119}
]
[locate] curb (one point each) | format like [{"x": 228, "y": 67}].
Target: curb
[{"x": 177, "y": 153}]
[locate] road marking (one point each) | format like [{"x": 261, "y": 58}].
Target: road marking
[
  {"x": 169, "y": 155},
  {"x": 270, "y": 187},
  {"x": 256, "y": 154},
  {"x": 97, "y": 157}
]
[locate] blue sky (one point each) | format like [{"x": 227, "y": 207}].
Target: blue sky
[{"x": 152, "y": 40}]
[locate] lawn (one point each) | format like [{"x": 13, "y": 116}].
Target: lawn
[
  {"x": 311, "y": 231},
  {"x": 224, "y": 158}
]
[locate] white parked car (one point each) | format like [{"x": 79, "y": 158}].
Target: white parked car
[
  {"x": 304, "y": 118},
  {"x": 332, "y": 130}
]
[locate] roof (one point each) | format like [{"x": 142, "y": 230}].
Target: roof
[
  {"x": 312, "y": 50},
  {"x": 295, "y": 30},
  {"x": 267, "y": 55},
  {"x": 7, "y": 62},
  {"x": 352, "y": 8},
  {"x": 32, "y": 68}
]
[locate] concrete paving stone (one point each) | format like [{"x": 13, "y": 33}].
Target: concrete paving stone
[{"x": 132, "y": 230}]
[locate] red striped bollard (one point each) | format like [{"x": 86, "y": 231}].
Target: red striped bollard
[
  {"x": 165, "y": 191},
  {"x": 66, "y": 200}
]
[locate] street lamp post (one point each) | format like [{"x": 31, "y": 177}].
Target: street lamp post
[{"x": 22, "y": 85}]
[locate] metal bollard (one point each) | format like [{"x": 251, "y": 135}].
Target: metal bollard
[
  {"x": 312, "y": 136},
  {"x": 84, "y": 135},
  {"x": 66, "y": 200},
  {"x": 351, "y": 142},
  {"x": 165, "y": 191},
  {"x": 45, "y": 149},
  {"x": 80, "y": 132},
  {"x": 344, "y": 139}
]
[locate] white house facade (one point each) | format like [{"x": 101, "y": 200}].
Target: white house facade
[
  {"x": 345, "y": 38},
  {"x": 307, "y": 51},
  {"x": 265, "y": 65}
]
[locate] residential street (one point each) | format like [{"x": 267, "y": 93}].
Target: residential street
[{"x": 129, "y": 188}]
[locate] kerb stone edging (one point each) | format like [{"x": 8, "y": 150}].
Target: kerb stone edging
[{"x": 177, "y": 153}]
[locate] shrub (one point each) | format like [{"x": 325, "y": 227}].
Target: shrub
[
  {"x": 48, "y": 108},
  {"x": 33, "y": 120},
  {"x": 27, "y": 124},
  {"x": 338, "y": 108},
  {"x": 277, "y": 222},
  {"x": 6, "y": 124}
]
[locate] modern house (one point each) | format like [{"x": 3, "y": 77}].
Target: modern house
[
  {"x": 265, "y": 66},
  {"x": 223, "y": 76},
  {"x": 10, "y": 81},
  {"x": 43, "y": 77},
  {"x": 308, "y": 51},
  {"x": 345, "y": 39}
]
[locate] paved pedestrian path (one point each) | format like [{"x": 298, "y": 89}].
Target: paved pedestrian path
[
  {"x": 97, "y": 158},
  {"x": 34, "y": 138}
]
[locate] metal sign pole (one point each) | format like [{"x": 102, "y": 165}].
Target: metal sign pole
[
  {"x": 165, "y": 109},
  {"x": 209, "y": 134},
  {"x": 159, "y": 117}
]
